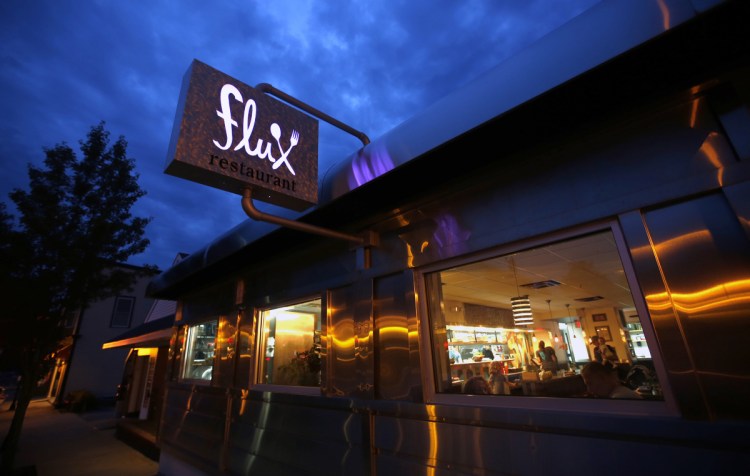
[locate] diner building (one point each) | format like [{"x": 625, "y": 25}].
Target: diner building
[{"x": 586, "y": 200}]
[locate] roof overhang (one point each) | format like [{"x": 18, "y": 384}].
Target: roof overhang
[{"x": 151, "y": 334}]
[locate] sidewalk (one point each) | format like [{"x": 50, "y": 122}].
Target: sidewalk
[{"x": 55, "y": 443}]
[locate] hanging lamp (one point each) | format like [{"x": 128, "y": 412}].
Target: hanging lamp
[{"x": 520, "y": 305}]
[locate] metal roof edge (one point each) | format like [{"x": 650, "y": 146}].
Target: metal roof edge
[
  {"x": 600, "y": 34},
  {"x": 597, "y": 35}
]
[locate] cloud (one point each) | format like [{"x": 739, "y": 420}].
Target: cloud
[{"x": 66, "y": 66}]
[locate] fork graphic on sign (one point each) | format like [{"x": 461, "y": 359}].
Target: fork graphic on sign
[{"x": 248, "y": 124}]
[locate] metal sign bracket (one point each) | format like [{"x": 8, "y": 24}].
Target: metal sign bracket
[{"x": 366, "y": 241}]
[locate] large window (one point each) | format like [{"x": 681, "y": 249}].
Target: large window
[
  {"x": 290, "y": 342},
  {"x": 557, "y": 320},
  {"x": 200, "y": 351}
]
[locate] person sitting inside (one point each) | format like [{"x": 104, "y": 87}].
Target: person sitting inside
[
  {"x": 602, "y": 381},
  {"x": 604, "y": 353},
  {"x": 477, "y": 385}
]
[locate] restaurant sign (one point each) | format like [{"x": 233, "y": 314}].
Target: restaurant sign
[{"x": 231, "y": 136}]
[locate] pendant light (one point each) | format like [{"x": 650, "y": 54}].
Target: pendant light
[
  {"x": 520, "y": 305},
  {"x": 549, "y": 306}
]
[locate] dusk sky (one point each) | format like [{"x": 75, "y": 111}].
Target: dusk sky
[{"x": 68, "y": 65}]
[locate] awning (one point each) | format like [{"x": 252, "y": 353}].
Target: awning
[{"x": 149, "y": 334}]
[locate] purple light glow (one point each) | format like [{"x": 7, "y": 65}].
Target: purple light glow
[
  {"x": 449, "y": 236},
  {"x": 366, "y": 167}
]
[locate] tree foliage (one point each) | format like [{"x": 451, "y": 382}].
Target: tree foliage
[{"x": 74, "y": 225}]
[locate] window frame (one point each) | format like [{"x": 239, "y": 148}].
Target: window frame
[
  {"x": 119, "y": 299},
  {"x": 665, "y": 407}
]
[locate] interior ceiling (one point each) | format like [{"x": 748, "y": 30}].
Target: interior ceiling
[{"x": 585, "y": 267}]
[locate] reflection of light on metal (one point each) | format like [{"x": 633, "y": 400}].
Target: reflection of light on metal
[
  {"x": 409, "y": 256},
  {"x": 365, "y": 340},
  {"x": 710, "y": 151},
  {"x": 393, "y": 330},
  {"x": 683, "y": 241},
  {"x": 665, "y": 14},
  {"x": 345, "y": 343},
  {"x": 244, "y": 394},
  {"x": 694, "y": 109},
  {"x": 673, "y": 244},
  {"x": 410, "y": 252},
  {"x": 448, "y": 233},
  {"x": 434, "y": 443},
  {"x": 724, "y": 294},
  {"x": 368, "y": 167}
]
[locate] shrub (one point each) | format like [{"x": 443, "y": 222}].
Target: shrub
[{"x": 80, "y": 401}]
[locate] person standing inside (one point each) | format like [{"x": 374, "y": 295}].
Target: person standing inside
[
  {"x": 598, "y": 357},
  {"x": 547, "y": 357},
  {"x": 608, "y": 354}
]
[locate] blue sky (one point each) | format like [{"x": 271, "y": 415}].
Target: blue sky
[{"x": 67, "y": 65}]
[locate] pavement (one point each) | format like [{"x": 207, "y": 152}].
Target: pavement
[{"x": 61, "y": 443}]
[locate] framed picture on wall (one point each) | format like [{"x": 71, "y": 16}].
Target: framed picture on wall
[
  {"x": 603, "y": 332},
  {"x": 599, "y": 317}
]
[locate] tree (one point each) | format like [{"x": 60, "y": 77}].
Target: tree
[{"x": 75, "y": 225}]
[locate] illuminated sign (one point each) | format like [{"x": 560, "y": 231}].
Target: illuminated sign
[{"x": 229, "y": 135}]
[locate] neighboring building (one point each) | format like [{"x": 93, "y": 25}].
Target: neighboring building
[
  {"x": 81, "y": 364},
  {"x": 142, "y": 374}
]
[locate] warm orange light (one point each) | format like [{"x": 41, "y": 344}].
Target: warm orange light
[
  {"x": 434, "y": 441},
  {"x": 694, "y": 113},
  {"x": 343, "y": 343},
  {"x": 393, "y": 330},
  {"x": 725, "y": 294},
  {"x": 665, "y": 14},
  {"x": 677, "y": 243}
]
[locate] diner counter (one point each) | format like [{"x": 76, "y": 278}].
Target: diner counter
[{"x": 465, "y": 370}]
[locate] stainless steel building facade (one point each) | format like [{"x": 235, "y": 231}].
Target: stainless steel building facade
[{"x": 604, "y": 174}]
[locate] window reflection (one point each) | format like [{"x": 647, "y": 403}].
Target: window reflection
[{"x": 200, "y": 351}]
